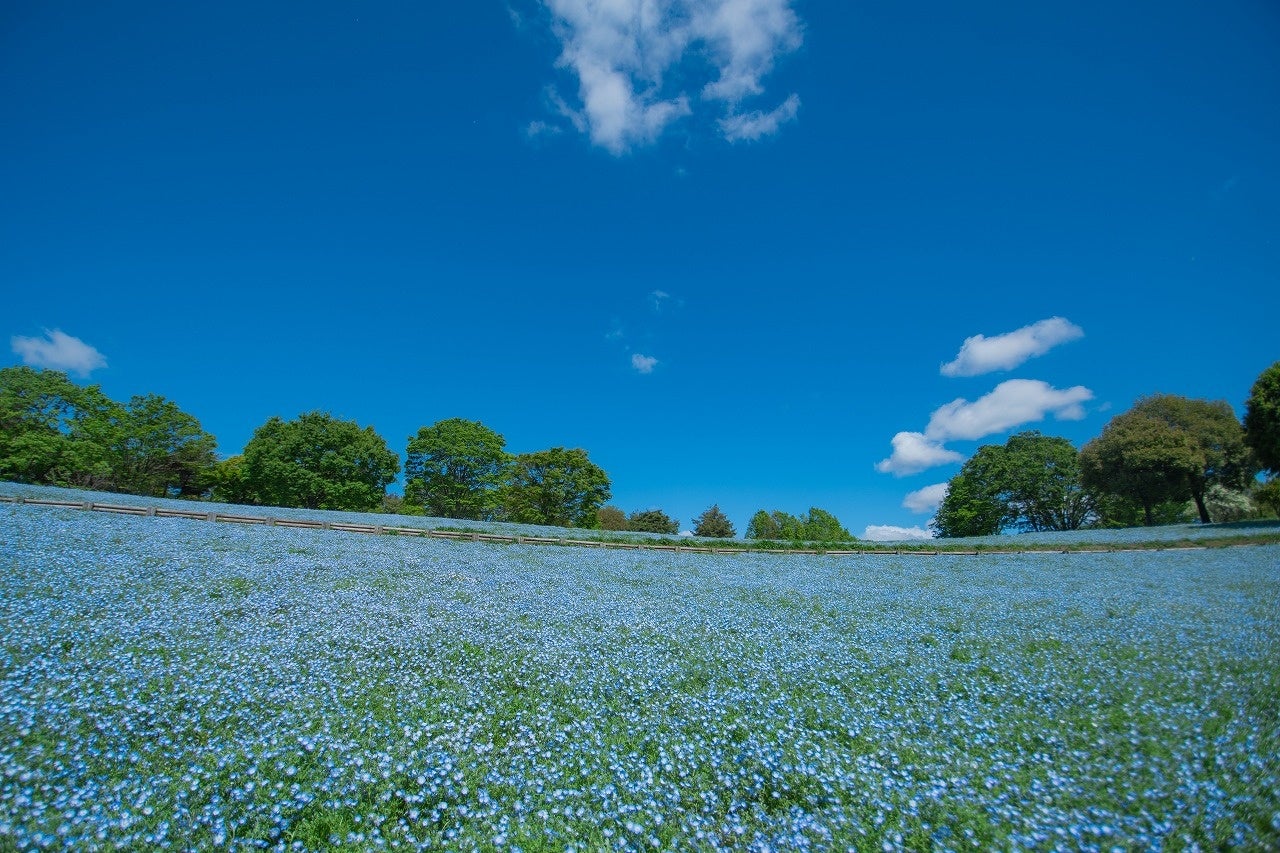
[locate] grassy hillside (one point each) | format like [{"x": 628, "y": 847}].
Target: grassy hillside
[{"x": 167, "y": 683}]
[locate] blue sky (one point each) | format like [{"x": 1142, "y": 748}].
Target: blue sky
[{"x": 732, "y": 248}]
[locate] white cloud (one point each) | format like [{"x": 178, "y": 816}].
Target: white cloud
[
  {"x": 643, "y": 363},
  {"x": 913, "y": 452},
  {"x": 58, "y": 351},
  {"x": 625, "y": 52},
  {"x": 539, "y": 128},
  {"x": 1010, "y": 404},
  {"x": 658, "y": 298},
  {"x": 889, "y": 533},
  {"x": 980, "y": 354},
  {"x": 751, "y": 126},
  {"x": 926, "y": 499}
]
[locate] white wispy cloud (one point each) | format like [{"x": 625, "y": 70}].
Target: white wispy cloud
[
  {"x": 1010, "y": 404},
  {"x": 540, "y": 128},
  {"x": 58, "y": 351},
  {"x": 658, "y": 299},
  {"x": 926, "y": 499},
  {"x": 643, "y": 363},
  {"x": 914, "y": 452},
  {"x": 631, "y": 56},
  {"x": 980, "y": 354},
  {"x": 751, "y": 126},
  {"x": 890, "y": 533}
]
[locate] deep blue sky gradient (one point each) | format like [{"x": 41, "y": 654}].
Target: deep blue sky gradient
[{"x": 260, "y": 209}]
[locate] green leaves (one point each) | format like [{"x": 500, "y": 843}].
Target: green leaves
[
  {"x": 1262, "y": 419},
  {"x": 1031, "y": 482},
  {"x": 818, "y": 526},
  {"x": 652, "y": 521},
  {"x": 455, "y": 468},
  {"x": 1169, "y": 448},
  {"x": 713, "y": 523},
  {"x": 54, "y": 431},
  {"x": 558, "y": 487},
  {"x": 318, "y": 462}
]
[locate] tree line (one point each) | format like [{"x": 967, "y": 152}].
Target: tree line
[
  {"x": 55, "y": 432},
  {"x": 1148, "y": 465},
  {"x": 1164, "y": 459}
]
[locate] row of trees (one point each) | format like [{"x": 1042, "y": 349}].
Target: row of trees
[
  {"x": 54, "y": 431},
  {"x": 455, "y": 469},
  {"x": 1149, "y": 464},
  {"x": 817, "y": 525}
]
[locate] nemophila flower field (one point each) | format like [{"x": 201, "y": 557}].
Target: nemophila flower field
[{"x": 175, "y": 684}]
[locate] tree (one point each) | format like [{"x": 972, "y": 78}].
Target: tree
[
  {"x": 455, "y": 468},
  {"x": 822, "y": 526},
  {"x": 1169, "y": 448},
  {"x": 318, "y": 462},
  {"x": 1262, "y": 419},
  {"x": 1031, "y": 482},
  {"x": 52, "y": 430},
  {"x": 558, "y": 487},
  {"x": 158, "y": 448},
  {"x": 1268, "y": 495},
  {"x": 652, "y": 521},
  {"x": 713, "y": 523},
  {"x": 762, "y": 526},
  {"x": 1226, "y": 505},
  {"x": 612, "y": 518},
  {"x": 227, "y": 481},
  {"x": 972, "y": 506},
  {"x": 816, "y": 526}
]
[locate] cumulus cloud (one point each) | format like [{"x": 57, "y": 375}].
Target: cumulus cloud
[
  {"x": 913, "y": 452},
  {"x": 625, "y": 54},
  {"x": 643, "y": 363},
  {"x": 926, "y": 499},
  {"x": 980, "y": 354},
  {"x": 58, "y": 351},
  {"x": 889, "y": 533},
  {"x": 1010, "y": 404}
]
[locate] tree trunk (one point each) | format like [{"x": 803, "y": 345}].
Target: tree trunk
[
  {"x": 1204, "y": 512},
  {"x": 1146, "y": 510}
]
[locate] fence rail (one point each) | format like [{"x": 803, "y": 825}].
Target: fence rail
[{"x": 505, "y": 539}]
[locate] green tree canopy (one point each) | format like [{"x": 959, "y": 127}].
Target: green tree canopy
[
  {"x": 652, "y": 521},
  {"x": 816, "y": 526},
  {"x": 1169, "y": 448},
  {"x": 713, "y": 523},
  {"x": 762, "y": 526},
  {"x": 558, "y": 487},
  {"x": 1031, "y": 482},
  {"x": 227, "y": 481},
  {"x": 821, "y": 526},
  {"x": 455, "y": 468},
  {"x": 54, "y": 431},
  {"x": 611, "y": 518},
  {"x": 158, "y": 447},
  {"x": 318, "y": 462},
  {"x": 1262, "y": 419}
]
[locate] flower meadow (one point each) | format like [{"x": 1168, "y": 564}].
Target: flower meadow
[{"x": 172, "y": 684}]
